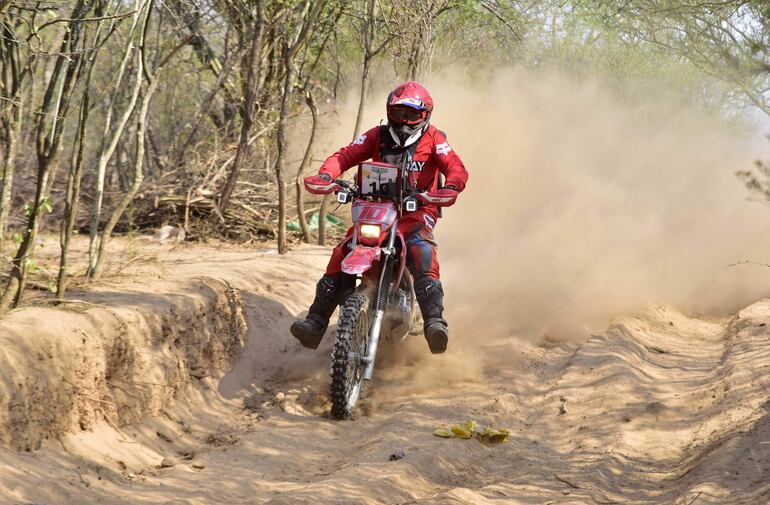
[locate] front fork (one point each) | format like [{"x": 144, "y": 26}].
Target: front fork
[{"x": 380, "y": 302}]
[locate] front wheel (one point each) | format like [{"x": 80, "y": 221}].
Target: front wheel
[{"x": 350, "y": 348}]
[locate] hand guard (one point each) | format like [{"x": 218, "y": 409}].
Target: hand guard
[
  {"x": 443, "y": 197},
  {"x": 320, "y": 184}
]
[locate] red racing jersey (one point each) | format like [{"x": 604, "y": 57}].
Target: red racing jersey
[{"x": 433, "y": 155}]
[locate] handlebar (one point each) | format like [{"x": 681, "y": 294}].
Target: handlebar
[
  {"x": 344, "y": 183},
  {"x": 412, "y": 193},
  {"x": 350, "y": 186},
  {"x": 348, "y": 191}
]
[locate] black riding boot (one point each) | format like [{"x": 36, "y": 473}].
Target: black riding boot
[
  {"x": 311, "y": 330},
  {"x": 430, "y": 298}
]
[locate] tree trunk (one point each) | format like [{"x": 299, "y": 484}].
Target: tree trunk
[
  {"x": 362, "y": 99},
  {"x": 135, "y": 185},
  {"x": 249, "y": 98},
  {"x": 310, "y": 101},
  {"x": 73, "y": 193},
  {"x": 359, "y": 118},
  {"x": 141, "y": 135},
  {"x": 12, "y": 130},
  {"x": 12, "y": 119},
  {"x": 281, "y": 149},
  {"x": 369, "y": 32},
  {"x": 108, "y": 149},
  {"x": 415, "y": 60},
  {"x": 55, "y": 104},
  {"x": 204, "y": 109}
]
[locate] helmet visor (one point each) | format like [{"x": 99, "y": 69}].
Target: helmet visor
[{"x": 402, "y": 114}]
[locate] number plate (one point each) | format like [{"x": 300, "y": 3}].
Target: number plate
[{"x": 378, "y": 179}]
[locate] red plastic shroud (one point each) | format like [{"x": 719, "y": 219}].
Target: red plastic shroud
[{"x": 368, "y": 250}]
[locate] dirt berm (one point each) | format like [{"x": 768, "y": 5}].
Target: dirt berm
[
  {"x": 116, "y": 357},
  {"x": 177, "y": 383}
]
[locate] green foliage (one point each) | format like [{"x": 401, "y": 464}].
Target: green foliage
[
  {"x": 713, "y": 54},
  {"x": 728, "y": 40},
  {"x": 46, "y": 205},
  {"x": 32, "y": 266}
]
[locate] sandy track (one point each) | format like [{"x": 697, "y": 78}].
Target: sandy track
[{"x": 660, "y": 408}]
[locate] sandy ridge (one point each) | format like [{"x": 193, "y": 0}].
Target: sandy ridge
[
  {"x": 114, "y": 357},
  {"x": 660, "y": 408}
]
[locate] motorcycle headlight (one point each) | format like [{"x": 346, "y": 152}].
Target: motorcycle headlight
[{"x": 370, "y": 231}]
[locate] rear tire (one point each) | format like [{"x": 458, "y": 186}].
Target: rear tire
[{"x": 350, "y": 347}]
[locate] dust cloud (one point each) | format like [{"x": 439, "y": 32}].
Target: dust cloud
[{"x": 583, "y": 204}]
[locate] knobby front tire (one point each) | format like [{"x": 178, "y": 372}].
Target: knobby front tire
[{"x": 350, "y": 346}]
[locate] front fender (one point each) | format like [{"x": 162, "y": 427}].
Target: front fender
[{"x": 360, "y": 259}]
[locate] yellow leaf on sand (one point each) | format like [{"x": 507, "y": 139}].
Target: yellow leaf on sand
[
  {"x": 469, "y": 429},
  {"x": 464, "y": 430},
  {"x": 461, "y": 432},
  {"x": 493, "y": 436}
]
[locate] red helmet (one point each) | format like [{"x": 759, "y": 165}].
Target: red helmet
[{"x": 409, "y": 105}]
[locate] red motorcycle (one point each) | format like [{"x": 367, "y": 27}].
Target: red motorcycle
[{"x": 382, "y": 305}]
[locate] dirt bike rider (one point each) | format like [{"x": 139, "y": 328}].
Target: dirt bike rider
[{"x": 408, "y": 132}]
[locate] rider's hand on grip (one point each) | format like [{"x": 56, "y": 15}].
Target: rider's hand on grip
[
  {"x": 443, "y": 197},
  {"x": 320, "y": 184}
]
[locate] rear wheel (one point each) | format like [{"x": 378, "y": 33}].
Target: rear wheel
[{"x": 350, "y": 348}]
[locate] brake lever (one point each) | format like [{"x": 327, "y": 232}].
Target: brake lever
[{"x": 343, "y": 183}]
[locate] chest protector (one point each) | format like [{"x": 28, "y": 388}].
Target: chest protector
[{"x": 391, "y": 151}]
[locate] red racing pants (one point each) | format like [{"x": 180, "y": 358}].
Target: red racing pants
[{"x": 421, "y": 256}]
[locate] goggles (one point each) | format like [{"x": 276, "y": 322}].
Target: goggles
[{"x": 405, "y": 114}]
